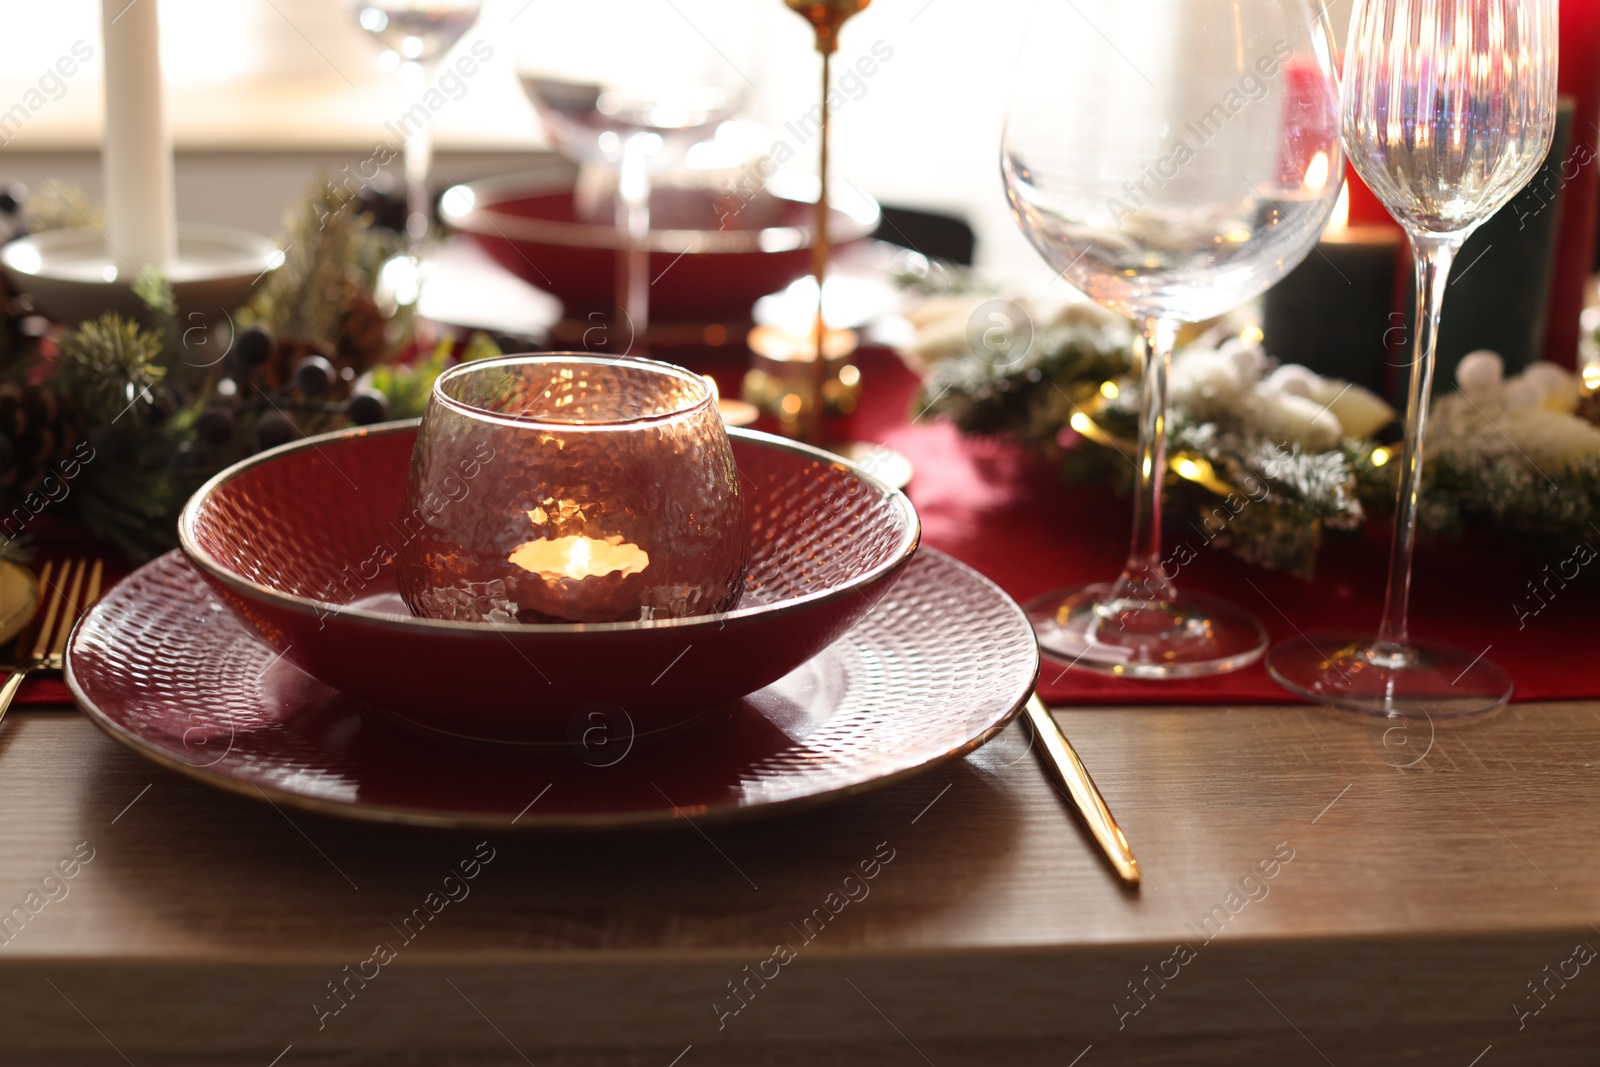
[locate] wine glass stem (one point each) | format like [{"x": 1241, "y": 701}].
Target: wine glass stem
[
  {"x": 633, "y": 222},
  {"x": 1434, "y": 255},
  {"x": 418, "y": 156},
  {"x": 1142, "y": 577}
]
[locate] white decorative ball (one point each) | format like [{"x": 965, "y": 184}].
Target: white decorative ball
[
  {"x": 1557, "y": 386},
  {"x": 1249, "y": 360},
  {"x": 1520, "y": 394},
  {"x": 1480, "y": 373},
  {"x": 1291, "y": 379}
]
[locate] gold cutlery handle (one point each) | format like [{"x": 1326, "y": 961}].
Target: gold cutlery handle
[
  {"x": 67, "y": 601},
  {"x": 1085, "y": 795},
  {"x": 9, "y": 692}
]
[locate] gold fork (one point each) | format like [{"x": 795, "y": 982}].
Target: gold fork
[{"x": 62, "y": 610}]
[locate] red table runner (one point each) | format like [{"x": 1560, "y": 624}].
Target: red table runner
[{"x": 1008, "y": 514}]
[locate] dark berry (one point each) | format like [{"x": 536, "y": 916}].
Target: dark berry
[
  {"x": 214, "y": 426},
  {"x": 11, "y": 197},
  {"x": 252, "y": 347},
  {"x": 366, "y": 407},
  {"x": 313, "y": 375},
  {"x": 274, "y": 429}
]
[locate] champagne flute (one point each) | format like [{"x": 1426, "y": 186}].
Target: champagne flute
[
  {"x": 1171, "y": 159},
  {"x": 415, "y": 34},
  {"x": 629, "y": 85},
  {"x": 1448, "y": 110}
]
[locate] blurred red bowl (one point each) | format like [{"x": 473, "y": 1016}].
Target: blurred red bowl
[
  {"x": 301, "y": 542},
  {"x": 712, "y": 255}
]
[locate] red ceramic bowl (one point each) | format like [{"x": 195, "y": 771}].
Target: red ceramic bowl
[
  {"x": 710, "y": 256},
  {"x": 301, "y": 542}
]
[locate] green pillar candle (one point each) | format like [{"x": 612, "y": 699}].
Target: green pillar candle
[
  {"x": 1334, "y": 312},
  {"x": 1499, "y": 287}
]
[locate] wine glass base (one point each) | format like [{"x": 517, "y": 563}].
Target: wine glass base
[
  {"x": 1190, "y": 637},
  {"x": 1430, "y": 681}
]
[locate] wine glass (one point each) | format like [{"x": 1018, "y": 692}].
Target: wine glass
[
  {"x": 1171, "y": 159},
  {"x": 628, "y": 86},
  {"x": 415, "y": 34},
  {"x": 1448, "y": 110}
]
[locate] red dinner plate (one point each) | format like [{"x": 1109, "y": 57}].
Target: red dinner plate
[{"x": 938, "y": 666}]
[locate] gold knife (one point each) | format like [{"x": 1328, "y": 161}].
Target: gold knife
[{"x": 1091, "y": 805}]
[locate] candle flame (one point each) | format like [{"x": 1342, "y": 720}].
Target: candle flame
[
  {"x": 1317, "y": 172},
  {"x": 777, "y": 343},
  {"x": 580, "y": 557},
  {"x": 1340, "y": 219}
]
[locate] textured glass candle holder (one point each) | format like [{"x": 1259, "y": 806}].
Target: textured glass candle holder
[{"x": 572, "y": 488}]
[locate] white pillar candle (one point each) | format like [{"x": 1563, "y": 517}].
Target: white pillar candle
[{"x": 137, "y": 151}]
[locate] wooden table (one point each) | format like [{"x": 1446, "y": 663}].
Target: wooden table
[{"x": 1417, "y": 887}]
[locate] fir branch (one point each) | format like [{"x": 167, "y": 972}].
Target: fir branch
[
  {"x": 1272, "y": 504},
  {"x": 1465, "y": 491},
  {"x": 153, "y": 289},
  {"x": 133, "y": 504},
  {"x": 308, "y": 296},
  {"x": 1003, "y": 391},
  {"x": 1283, "y": 500},
  {"x": 155, "y": 292},
  {"x": 107, "y": 369}
]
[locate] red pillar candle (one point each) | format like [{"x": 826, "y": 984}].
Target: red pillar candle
[
  {"x": 1579, "y": 79},
  {"x": 1310, "y": 118}
]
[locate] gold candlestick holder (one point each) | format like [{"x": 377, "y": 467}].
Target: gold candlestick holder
[
  {"x": 826, "y": 17},
  {"x": 802, "y": 380},
  {"x": 782, "y": 376}
]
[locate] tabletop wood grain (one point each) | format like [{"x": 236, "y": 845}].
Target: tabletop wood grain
[{"x": 1317, "y": 891}]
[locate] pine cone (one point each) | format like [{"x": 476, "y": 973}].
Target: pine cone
[
  {"x": 361, "y": 333},
  {"x": 37, "y": 433}
]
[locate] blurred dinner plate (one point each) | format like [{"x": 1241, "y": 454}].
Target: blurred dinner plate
[{"x": 713, "y": 252}]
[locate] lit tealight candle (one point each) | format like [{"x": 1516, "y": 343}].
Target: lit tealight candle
[
  {"x": 777, "y": 343},
  {"x": 573, "y": 575},
  {"x": 737, "y": 412},
  {"x": 577, "y": 557}
]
